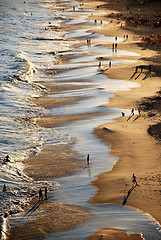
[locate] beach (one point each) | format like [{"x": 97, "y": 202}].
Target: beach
[{"x": 137, "y": 151}]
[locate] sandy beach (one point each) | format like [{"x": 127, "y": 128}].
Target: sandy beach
[{"x": 129, "y": 137}]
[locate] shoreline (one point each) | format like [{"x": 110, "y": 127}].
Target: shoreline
[
  {"x": 99, "y": 132},
  {"x": 137, "y": 151}
]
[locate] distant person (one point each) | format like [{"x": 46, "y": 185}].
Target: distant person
[
  {"x": 110, "y": 64},
  {"x": 123, "y": 114},
  {"x": 141, "y": 67},
  {"x": 7, "y": 159},
  {"x": 4, "y": 188},
  {"x": 136, "y": 69},
  {"x": 88, "y": 159},
  {"x": 46, "y": 192},
  {"x": 150, "y": 68},
  {"x": 99, "y": 65},
  {"x": 132, "y": 111},
  {"x": 40, "y": 194},
  {"x": 134, "y": 179}
]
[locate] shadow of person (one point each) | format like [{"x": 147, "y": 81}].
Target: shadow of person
[
  {"x": 128, "y": 194},
  {"x": 129, "y": 118},
  {"x": 137, "y": 76},
  {"x": 136, "y": 118},
  {"x": 133, "y": 75},
  {"x": 33, "y": 209}
]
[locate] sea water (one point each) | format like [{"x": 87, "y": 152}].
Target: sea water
[{"x": 28, "y": 49}]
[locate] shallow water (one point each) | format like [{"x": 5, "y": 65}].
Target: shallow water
[{"x": 30, "y": 50}]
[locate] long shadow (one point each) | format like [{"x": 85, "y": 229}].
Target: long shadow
[
  {"x": 128, "y": 194},
  {"x": 129, "y": 118},
  {"x": 33, "y": 209},
  {"x": 136, "y": 118},
  {"x": 146, "y": 76},
  {"x": 138, "y": 76},
  {"x": 133, "y": 75}
]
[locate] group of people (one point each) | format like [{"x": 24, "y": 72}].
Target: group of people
[
  {"x": 152, "y": 39},
  {"x": 137, "y": 20}
]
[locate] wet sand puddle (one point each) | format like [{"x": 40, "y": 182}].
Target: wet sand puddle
[
  {"x": 77, "y": 189},
  {"x": 82, "y": 70}
]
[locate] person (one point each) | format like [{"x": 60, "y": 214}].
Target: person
[
  {"x": 46, "y": 197},
  {"x": 88, "y": 159},
  {"x": 134, "y": 179},
  {"x": 99, "y": 65},
  {"x": 7, "y": 159},
  {"x": 123, "y": 114},
  {"x": 141, "y": 67},
  {"x": 40, "y": 194},
  {"x": 150, "y": 68},
  {"x": 115, "y": 45},
  {"x": 136, "y": 69},
  {"x": 110, "y": 64},
  {"x": 132, "y": 111},
  {"x": 4, "y": 188}
]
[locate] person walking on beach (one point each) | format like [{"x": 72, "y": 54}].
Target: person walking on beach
[
  {"x": 4, "y": 188},
  {"x": 110, "y": 64},
  {"x": 40, "y": 194},
  {"x": 99, "y": 65},
  {"x": 134, "y": 179},
  {"x": 132, "y": 111},
  {"x": 88, "y": 159},
  {"x": 46, "y": 191}
]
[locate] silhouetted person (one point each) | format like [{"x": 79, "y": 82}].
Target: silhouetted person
[
  {"x": 136, "y": 69},
  {"x": 40, "y": 194},
  {"x": 88, "y": 159},
  {"x": 7, "y": 159},
  {"x": 110, "y": 64},
  {"x": 99, "y": 65},
  {"x": 141, "y": 67},
  {"x": 132, "y": 111},
  {"x": 4, "y": 188},
  {"x": 46, "y": 191},
  {"x": 134, "y": 179},
  {"x": 123, "y": 114},
  {"x": 150, "y": 68}
]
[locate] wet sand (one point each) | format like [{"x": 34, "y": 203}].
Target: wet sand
[
  {"x": 50, "y": 217},
  {"x": 127, "y": 139},
  {"x": 112, "y": 234}
]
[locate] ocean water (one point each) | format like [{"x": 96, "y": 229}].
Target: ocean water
[
  {"x": 24, "y": 55},
  {"x": 29, "y": 45}
]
